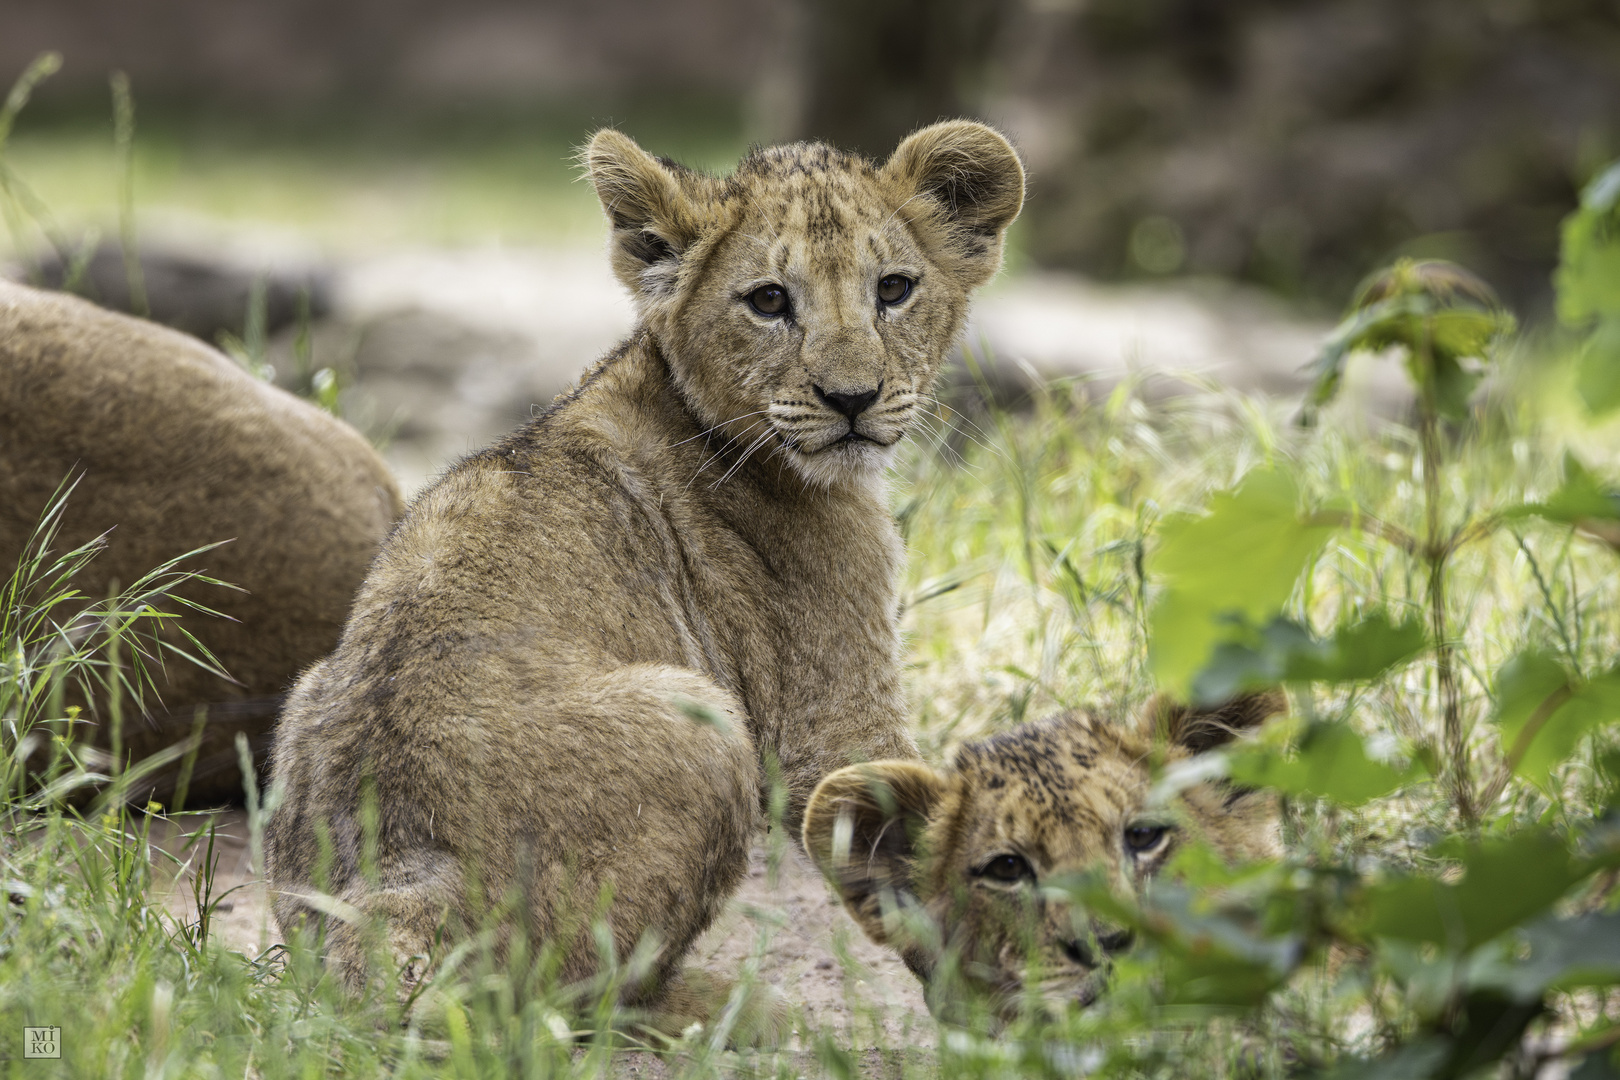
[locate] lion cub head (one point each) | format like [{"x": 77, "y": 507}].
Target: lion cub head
[
  {"x": 964, "y": 853},
  {"x": 805, "y": 303}
]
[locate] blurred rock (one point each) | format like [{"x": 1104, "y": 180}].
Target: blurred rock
[{"x": 198, "y": 295}]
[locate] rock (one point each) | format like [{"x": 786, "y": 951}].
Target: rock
[{"x": 200, "y": 296}]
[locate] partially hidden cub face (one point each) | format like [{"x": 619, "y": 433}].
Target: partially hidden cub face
[
  {"x": 805, "y": 302},
  {"x": 967, "y": 851}
]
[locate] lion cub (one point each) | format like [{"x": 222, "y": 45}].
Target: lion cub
[
  {"x": 967, "y": 849},
  {"x": 571, "y": 662},
  {"x": 176, "y": 447}
]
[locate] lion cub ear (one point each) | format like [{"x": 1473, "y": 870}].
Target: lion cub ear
[
  {"x": 652, "y": 217},
  {"x": 861, "y": 827},
  {"x": 975, "y": 185},
  {"x": 1198, "y": 728}
]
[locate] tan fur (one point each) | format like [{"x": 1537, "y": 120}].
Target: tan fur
[
  {"x": 573, "y": 660},
  {"x": 910, "y": 848},
  {"x": 177, "y": 448}
]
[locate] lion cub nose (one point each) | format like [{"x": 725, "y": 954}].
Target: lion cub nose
[
  {"x": 1109, "y": 941},
  {"x": 851, "y": 405}
]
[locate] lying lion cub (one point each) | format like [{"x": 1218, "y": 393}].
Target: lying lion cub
[
  {"x": 571, "y": 661},
  {"x": 966, "y": 849},
  {"x": 175, "y": 447}
]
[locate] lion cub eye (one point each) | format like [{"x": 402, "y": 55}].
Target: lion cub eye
[
  {"x": 769, "y": 300},
  {"x": 1141, "y": 839},
  {"x": 1007, "y": 869},
  {"x": 894, "y": 288}
]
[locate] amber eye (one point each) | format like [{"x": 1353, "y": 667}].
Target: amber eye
[
  {"x": 1007, "y": 869},
  {"x": 1140, "y": 839},
  {"x": 894, "y": 288},
  {"x": 769, "y": 300}
]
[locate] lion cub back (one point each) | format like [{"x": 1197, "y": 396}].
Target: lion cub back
[{"x": 175, "y": 448}]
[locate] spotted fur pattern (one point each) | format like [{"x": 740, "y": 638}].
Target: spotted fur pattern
[{"x": 967, "y": 849}]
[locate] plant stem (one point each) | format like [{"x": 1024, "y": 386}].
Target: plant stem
[{"x": 1436, "y": 549}]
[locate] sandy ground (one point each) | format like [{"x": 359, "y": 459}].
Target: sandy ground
[{"x": 807, "y": 945}]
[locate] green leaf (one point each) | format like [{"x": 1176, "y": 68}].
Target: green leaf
[
  {"x": 1564, "y": 954},
  {"x": 1437, "y": 312},
  {"x": 1331, "y": 763},
  {"x": 1505, "y": 883},
  {"x": 1581, "y": 497},
  {"x": 1235, "y": 565},
  {"x": 1544, "y": 714},
  {"x": 1417, "y": 1060},
  {"x": 1453, "y": 386},
  {"x": 1210, "y": 957},
  {"x": 1588, "y": 277},
  {"x": 1326, "y": 370},
  {"x": 1286, "y": 652},
  {"x": 1598, "y": 1065},
  {"x": 1597, "y": 368}
]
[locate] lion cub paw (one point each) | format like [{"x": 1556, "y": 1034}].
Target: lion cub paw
[{"x": 695, "y": 996}]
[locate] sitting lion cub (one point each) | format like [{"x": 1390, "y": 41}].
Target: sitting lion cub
[
  {"x": 571, "y": 661},
  {"x": 967, "y": 849}
]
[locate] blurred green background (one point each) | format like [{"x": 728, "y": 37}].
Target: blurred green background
[{"x": 1294, "y": 143}]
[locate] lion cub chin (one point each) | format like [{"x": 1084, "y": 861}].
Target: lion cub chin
[
  {"x": 568, "y": 664},
  {"x": 935, "y": 863}
]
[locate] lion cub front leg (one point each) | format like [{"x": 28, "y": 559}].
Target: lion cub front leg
[{"x": 759, "y": 1017}]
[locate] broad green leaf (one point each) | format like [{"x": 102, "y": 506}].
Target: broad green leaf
[
  {"x": 1419, "y": 1059},
  {"x": 1598, "y": 1065},
  {"x": 1505, "y": 883},
  {"x": 1220, "y": 958},
  {"x": 1544, "y": 714},
  {"x": 1588, "y": 276},
  {"x": 1597, "y": 370},
  {"x": 1235, "y": 565},
  {"x": 1437, "y": 312},
  {"x": 1453, "y": 386},
  {"x": 1581, "y": 497},
  {"x": 1286, "y": 652},
  {"x": 1564, "y": 954},
  {"x": 1331, "y": 763}
]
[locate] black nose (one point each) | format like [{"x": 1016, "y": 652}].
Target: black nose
[
  {"x": 851, "y": 405},
  {"x": 1116, "y": 940},
  {"x": 1080, "y": 953}
]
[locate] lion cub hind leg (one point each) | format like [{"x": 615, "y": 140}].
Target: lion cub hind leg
[
  {"x": 763, "y": 1018},
  {"x": 645, "y": 779},
  {"x": 396, "y": 925}
]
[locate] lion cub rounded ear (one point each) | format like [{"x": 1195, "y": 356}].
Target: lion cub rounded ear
[
  {"x": 1198, "y": 728},
  {"x": 974, "y": 176},
  {"x": 652, "y": 218},
  {"x": 861, "y": 828}
]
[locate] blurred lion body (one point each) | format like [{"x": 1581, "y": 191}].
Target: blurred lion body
[
  {"x": 968, "y": 850},
  {"x": 176, "y": 448},
  {"x": 574, "y": 659}
]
